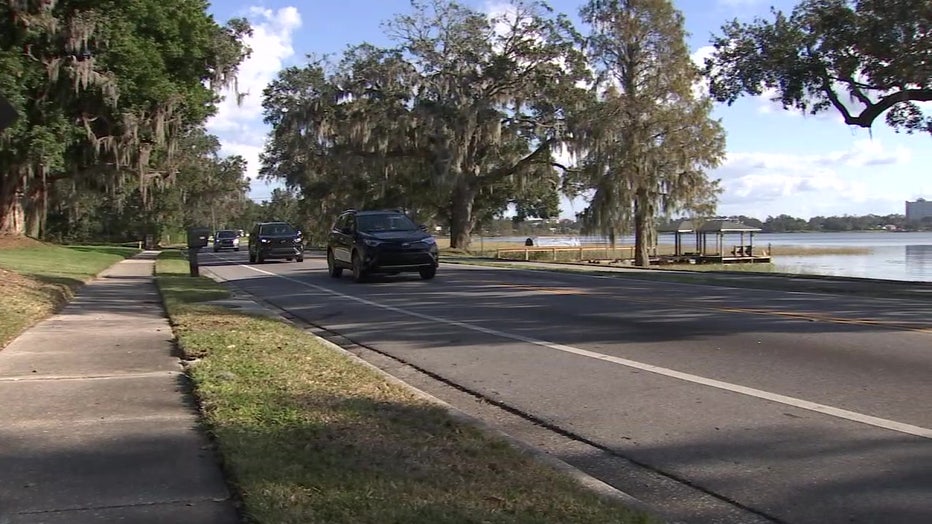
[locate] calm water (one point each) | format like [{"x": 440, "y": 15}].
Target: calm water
[{"x": 893, "y": 256}]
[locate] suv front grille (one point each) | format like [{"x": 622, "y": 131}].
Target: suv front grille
[{"x": 403, "y": 247}]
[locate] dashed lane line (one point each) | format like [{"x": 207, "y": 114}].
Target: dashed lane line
[{"x": 845, "y": 414}]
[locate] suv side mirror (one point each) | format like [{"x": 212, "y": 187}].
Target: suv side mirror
[{"x": 422, "y": 227}]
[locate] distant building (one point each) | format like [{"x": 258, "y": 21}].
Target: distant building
[{"x": 918, "y": 210}]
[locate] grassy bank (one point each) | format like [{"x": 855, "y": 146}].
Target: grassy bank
[
  {"x": 308, "y": 435},
  {"x": 516, "y": 251},
  {"x": 36, "y": 278}
]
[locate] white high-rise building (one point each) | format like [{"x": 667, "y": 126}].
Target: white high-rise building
[{"x": 916, "y": 211}]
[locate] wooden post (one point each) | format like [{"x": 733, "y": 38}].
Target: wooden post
[
  {"x": 554, "y": 254},
  {"x": 193, "y": 265},
  {"x": 527, "y": 254}
]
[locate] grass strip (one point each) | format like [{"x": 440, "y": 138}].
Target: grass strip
[
  {"x": 308, "y": 435},
  {"x": 36, "y": 279}
]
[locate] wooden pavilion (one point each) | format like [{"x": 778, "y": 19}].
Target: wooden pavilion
[{"x": 710, "y": 245}]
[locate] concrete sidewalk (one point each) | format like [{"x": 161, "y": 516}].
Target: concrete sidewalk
[{"x": 95, "y": 424}]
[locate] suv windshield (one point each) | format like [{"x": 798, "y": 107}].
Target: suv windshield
[
  {"x": 277, "y": 230},
  {"x": 226, "y": 234},
  {"x": 384, "y": 222}
]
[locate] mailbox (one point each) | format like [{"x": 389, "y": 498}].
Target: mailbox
[{"x": 197, "y": 237}]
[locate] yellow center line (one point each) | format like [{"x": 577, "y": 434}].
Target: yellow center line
[
  {"x": 804, "y": 315},
  {"x": 546, "y": 290},
  {"x": 828, "y": 318}
]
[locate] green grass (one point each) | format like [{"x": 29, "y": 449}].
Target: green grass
[
  {"x": 65, "y": 264},
  {"x": 37, "y": 279},
  {"x": 515, "y": 251},
  {"x": 178, "y": 288},
  {"x": 308, "y": 435}
]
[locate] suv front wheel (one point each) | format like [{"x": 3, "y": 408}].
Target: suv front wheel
[
  {"x": 332, "y": 268},
  {"x": 428, "y": 273},
  {"x": 359, "y": 273}
]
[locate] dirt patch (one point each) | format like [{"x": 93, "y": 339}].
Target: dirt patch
[{"x": 18, "y": 242}]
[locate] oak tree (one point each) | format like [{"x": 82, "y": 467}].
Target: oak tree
[
  {"x": 105, "y": 90},
  {"x": 861, "y": 58},
  {"x": 461, "y": 116}
]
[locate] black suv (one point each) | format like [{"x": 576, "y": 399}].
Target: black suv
[
  {"x": 387, "y": 242},
  {"x": 270, "y": 240}
]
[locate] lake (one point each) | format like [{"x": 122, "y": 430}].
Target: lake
[{"x": 892, "y": 256}]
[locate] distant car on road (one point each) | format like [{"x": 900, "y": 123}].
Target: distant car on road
[
  {"x": 226, "y": 239},
  {"x": 389, "y": 242},
  {"x": 275, "y": 240}
]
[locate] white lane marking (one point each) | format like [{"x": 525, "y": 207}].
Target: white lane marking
[{"x": 854, "y": 416}]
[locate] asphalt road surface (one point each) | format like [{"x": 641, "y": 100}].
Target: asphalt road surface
[{"x": 714, "y": 404}]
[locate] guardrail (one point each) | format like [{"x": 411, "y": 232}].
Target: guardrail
[{"x": 623, "y": 252}]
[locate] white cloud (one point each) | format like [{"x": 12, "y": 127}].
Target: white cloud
[
  {"x": 701, "y": 87},
  {"x": 835, "y": 183},
  {"x": 762, "y": 184},
  {"x": 239, "y": 126}
]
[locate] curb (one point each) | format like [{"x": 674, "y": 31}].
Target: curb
[{"x": 584, "y": 479}]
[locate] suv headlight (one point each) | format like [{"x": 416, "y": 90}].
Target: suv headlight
[
  {"x": 372, "y": 242},
  {"x": 264, "y": 240}
]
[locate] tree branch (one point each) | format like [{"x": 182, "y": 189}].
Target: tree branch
[
  {"x": 874, "y": 109},
  {"x": 867, "y": 117},
  {"x": 856, "y": 91},
  {"x": 503, "y": 172},
  {"x": 564, "y": 168},
  {"x": 833, "y": 98}
]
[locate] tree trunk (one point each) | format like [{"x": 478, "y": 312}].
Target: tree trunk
[
  {"x": 35, "y": 208},
  {"x": 11, "y": 208},
  {"x": 461, "y": 219},
  {"x": 642, "y": 233}
]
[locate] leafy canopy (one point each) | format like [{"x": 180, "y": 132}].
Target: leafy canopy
[
  {"x": 861, "y": 58},
  {"x": 459, "y": 118}
]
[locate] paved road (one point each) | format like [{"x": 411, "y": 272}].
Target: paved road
[{"x": 785, "y": 407}]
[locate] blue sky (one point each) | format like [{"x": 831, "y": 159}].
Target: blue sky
[{"x": 778, "y": 161}]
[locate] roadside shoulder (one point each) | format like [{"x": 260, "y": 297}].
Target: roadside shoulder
[{"x": 289, "y": 409}]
